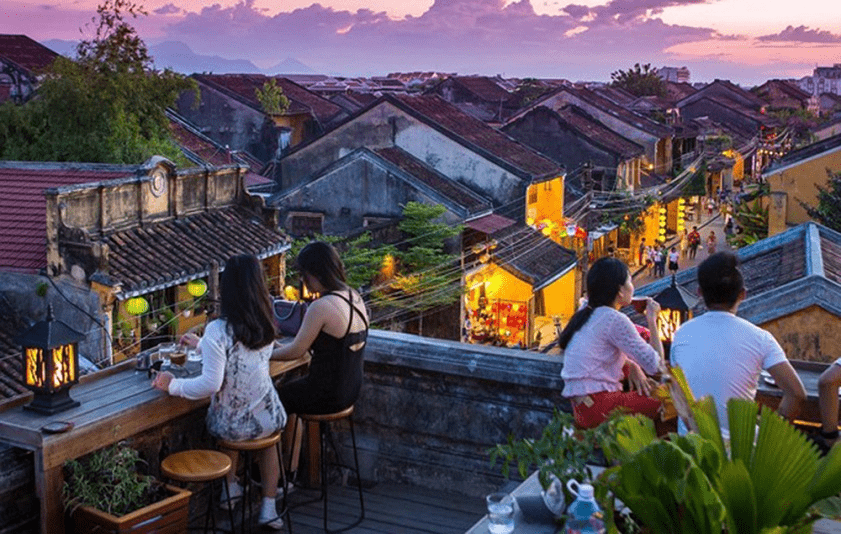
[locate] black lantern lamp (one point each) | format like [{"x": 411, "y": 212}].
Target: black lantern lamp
[
  {"x": 50, "y": 364},
  {"x": 676, "y": 306}
]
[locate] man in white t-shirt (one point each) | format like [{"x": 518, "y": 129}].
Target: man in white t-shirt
[{"x": 722, "y": 355}]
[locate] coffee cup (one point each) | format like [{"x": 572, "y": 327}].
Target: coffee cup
[{"x": 178, "y": 357}]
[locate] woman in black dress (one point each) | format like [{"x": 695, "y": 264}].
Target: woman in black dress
[{"x": 334, "y": 329}]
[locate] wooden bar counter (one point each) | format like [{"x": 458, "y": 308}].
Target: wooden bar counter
[{"x": 116, "y": 403}]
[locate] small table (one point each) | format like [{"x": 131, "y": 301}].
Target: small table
[
  {"x": 116, "y": 403},
  {"x": 529, "y": 487},
  {"x": 809, "y": 372}
]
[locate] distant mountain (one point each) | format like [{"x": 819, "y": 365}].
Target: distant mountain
[
  {"x": 65, "y": 48},
  {"x": 289, "y": 66},
  {"x": 180, "y": 58}
]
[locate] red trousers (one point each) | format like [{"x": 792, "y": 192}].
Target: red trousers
[{"x": 590, "y": 414}]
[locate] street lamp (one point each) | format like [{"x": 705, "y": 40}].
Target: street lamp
[
  {"x": 50, "y": 364},
  {"x": 676, "y": 306}
]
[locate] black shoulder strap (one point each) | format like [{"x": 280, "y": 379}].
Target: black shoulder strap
[{"x": 352, "y": 309}]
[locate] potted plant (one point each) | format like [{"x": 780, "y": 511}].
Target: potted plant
[
  {"x": 104, "y": 492},
  {"x": 767, "y": 478}
]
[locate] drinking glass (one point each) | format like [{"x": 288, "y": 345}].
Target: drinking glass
[
  {"x": 165, "y": 351},
  {"x": 500, "y": 513}
]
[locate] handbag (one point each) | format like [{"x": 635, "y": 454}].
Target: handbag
[{"x": 288, "y": 316}]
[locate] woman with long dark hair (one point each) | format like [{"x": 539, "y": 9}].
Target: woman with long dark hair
[
  {"x": 334, "y": 329},
  {"x": 236, "y": 349},
  {"x": 601, "y": 345}
]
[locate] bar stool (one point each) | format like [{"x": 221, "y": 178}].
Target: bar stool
[
  {"x": 247, "y": 447},
  {"x": 200, "y": 466},
  {"x": 324, "y": 421}
]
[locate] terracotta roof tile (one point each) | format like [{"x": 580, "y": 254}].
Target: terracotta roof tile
[
  {"x": 23, "y": 208},
  {"x": 26, "y": 53},
  {"x": 197, "y": 147},
  {"x": 589, "y": 127},
  {"x": 831, "y": 259},
  {"x": 483, "y": 87},
  {"x": 158, "y": 254},
  {"x": 443, "y": 114},
  {"x": 301, "y": 100},
  {"x": 536, "y": 257},
  {"x": 447, "y": 187}
]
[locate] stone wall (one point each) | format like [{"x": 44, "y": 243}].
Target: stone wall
[{"x": 429, "y": 411}]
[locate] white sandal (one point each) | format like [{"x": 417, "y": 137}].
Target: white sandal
[{"x": 276, "y": 523}]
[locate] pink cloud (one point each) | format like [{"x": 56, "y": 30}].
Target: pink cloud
[
  {"x": 802, "y": 34},
  {"x": 168, "y": 9}
]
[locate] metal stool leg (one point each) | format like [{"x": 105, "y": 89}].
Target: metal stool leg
[
  {"x": 285, "y": 512},
  {"x": 358, "y": 474}
]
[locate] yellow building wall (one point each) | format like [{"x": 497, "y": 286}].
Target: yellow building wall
[
  {"x": 546, "y": 201},
  {"x": 798, "y": 183},
  {"x": 813, "y": 334},
  {"x": 560, "y": 297},
  {"x": 503, "y": 285},
  {"x": 296, "y": 123}
]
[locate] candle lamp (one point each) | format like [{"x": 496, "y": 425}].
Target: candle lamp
[{"x": 50, "y": 364}]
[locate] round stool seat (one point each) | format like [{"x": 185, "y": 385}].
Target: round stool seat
[
  {"x": 196, "y": 466},
  {"x": 347, "y": 412},
  {"x": 250, "y": 444}
]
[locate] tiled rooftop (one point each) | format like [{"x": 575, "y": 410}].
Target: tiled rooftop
[
  {"x": 23, "y": 206},
  {"x": 483, "y": 87},
  {"x": 243, "y": 87},
  {"x": 26, "y": 52},
  {"x": 144, "y": 258},
  {"x": 784, "y": 273},
  {"x": 626, "y": 115},
  {"x": 809, "y": 151},
  {"x": 592, "y": 129},
  {"x": 458, "y": 193},
  {"x": 495, "y": 143},
  {"x": 196, "y": 146},
  {"x": 536, "y": 257}
]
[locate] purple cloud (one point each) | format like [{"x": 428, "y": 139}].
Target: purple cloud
[
  {"x": 576, "y": 11},
  {"x": 467, "y": 36},
  {"x": 169, "y": 9},
  {"x": 802, "y": 34}
]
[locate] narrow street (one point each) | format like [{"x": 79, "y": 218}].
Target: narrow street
[{"x": 705, "y": 226}]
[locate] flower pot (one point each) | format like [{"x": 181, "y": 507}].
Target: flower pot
[{"x": 167, "y": 516}]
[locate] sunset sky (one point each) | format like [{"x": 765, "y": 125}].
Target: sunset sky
[{"x": 747, "y": 41}]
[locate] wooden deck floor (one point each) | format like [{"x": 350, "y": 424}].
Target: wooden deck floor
[{"x": 389, "y": 509}]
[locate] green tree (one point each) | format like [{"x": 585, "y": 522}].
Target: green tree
[
  {"x": 529, "y": 90},
  {"x": 362, "y": 258},
  {"x": 271, "y": 98},
  {"x": 425, "y": 276},
  {"x": 641, "y": 80},
  {"x": 106, "y": 106},
  {"x": 828, "y": 210}
]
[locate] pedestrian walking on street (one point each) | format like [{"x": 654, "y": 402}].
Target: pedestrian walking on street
[
  {"x": 694, "y": 239},
  {"x": 673, "y": 259},
  {"x": 684, "y": 243},
  {"x": 642, "y": 252},
  {"x": 711, "y": 243},
  {"x": 661, "y": 260}
]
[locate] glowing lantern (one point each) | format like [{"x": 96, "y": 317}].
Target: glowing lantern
[
  {"x": 50, "y": 364},
  {"x": 197, "y": 287},
  {"x": 137, "y": 305},
  {"x": 676, "y": 306}
]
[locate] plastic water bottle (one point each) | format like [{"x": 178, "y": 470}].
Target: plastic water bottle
[{"x": 584, "y": 515}]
